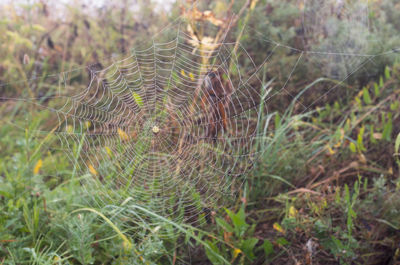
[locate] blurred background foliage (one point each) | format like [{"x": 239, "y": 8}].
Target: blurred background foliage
[{"x": 327, "y": 189}]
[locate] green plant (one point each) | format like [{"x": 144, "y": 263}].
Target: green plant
[{"x": 238, "y": 240}]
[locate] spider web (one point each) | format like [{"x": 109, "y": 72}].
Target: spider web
[
  {"x": 146, "y": 128},
  {"x": 338, "y": 30},
  {"x": 155, "y": 128},
  {"x": 146, "y": 122}
]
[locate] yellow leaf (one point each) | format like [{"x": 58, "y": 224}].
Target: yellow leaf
[
  {"x": 18, "y": 39},
  {"x": 278, "y": 228},
  {"x": 338, "y": 144},
  {"x": 236, "y": 252},
  {"x": 253, "y": 4},
  {"x": 37, "y": 167},
  {"x": 292, "y": 211},
  {"x": 341, "y": 134},
  {"x": 123, "y": 135},
  {"x": 70, "y": 129},
  {"x": 108, "y": 150},
  {"x": 183, "y": 73},
  {"x": 38, "y": 27},
  {"x": 191, "y": 76},
  {"x": 92, "y": 170},
  {"x": 127, "y": 245},
  {"x": 348, "y": 122},
  {"x": 324, "y": 204},
  {"x": 330, "y": 150}
]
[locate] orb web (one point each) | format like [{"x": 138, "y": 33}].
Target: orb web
[
  {"x": 172, "y": 129},
  {"x": 171, "y": 126}
]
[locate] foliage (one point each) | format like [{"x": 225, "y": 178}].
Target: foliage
[{"x": 326, "y": 190}]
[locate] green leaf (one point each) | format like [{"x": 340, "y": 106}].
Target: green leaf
[
  {"x": 376, "y": 90},
  {"x": 176, "y": 78},
  {"x": 248, "y": 246},
  {"x": 239, "y": 221},
  {"x": 366, "y": 96},
  {"x": 328, "y": 108},
  {"x": 371, "y": 134},
  {"x": 352, "y": 147},
  {"x": 358, "y": 102},
  {"x": 6, "y": 190},
  {"x": 337, "y": 242},
  {"x": 347, "y": 194},
  {"x": 282, "y": 241},
  {"x": 365, "y": 186},
  {"x": 394, "y": 106},
  {"x": 138, "y": 99},
  {"x": 224, "y": 225},
  {"x": 337, "y": 193},
  {"x": 336, "y": 105},
  {"x": 212, "y": 252},
  {"x": 277, "y": 121},
  {"x": 397, "y": 144},
  {"x": 268, "y": 247},
  {"x": 352, "y": 213},
  {"x": 360, "y": 137},
  {"x": 387, "y": 72},
  {"x": 387, "y": 129},
  {"x": 289, "y": 223},
  {"x": 381, "y": 82}
]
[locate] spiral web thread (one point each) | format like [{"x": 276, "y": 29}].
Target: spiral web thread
[
  {"x": 340, "y": 27},
  {"x": 173, "y": 126},
  {"x": 149, "y": 128}
]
